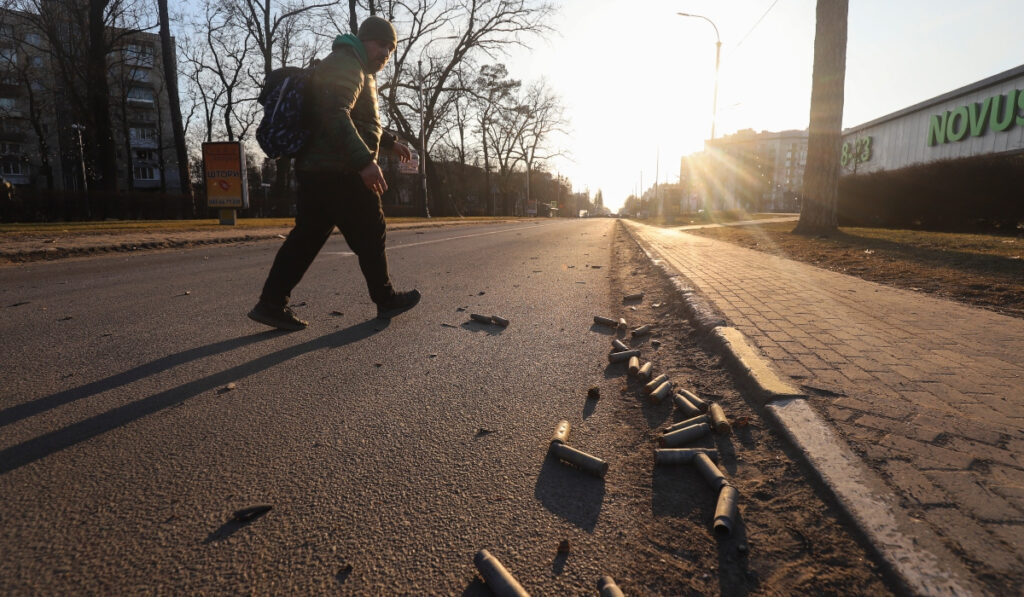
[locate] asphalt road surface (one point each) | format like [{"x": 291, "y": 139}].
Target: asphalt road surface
[{"x": 390, "y": 452}]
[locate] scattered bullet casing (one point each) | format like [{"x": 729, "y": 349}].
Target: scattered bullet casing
[
  {"x": 684, "y": 435},
  {"x": 480, "y": 318},
  {"x": 718, "y": 419},
  {"x": 618, "y": 357},
  {"x": 619, "y": 345},
  {"x": 561, "y": 434},
  {"x": 687, "y": 423},
  {"x": 622, "y": 324},
  {"x": 662, "y": 392},
  {"x": 654, "y": 383},
  {"x": 642, "y": 330},
  {"x": 681, "y": 455},
  {"x": 694, "y": 400},
  {"x": 709, "y": 471},
  {"x": 634, "y": 365},
  {"x": 585, "y": 462},
  {"x": 606, "y": 587},
  {"x": 685, "y": 405},
  {"x": 500, "y": 321},
  {"x": 725, "y": 510},
  {"x": 498, "y": 579},
  {"x": 636, "y": 296},
  {"x": 645, "y": 370},
  {"x": 608, "y": 321}
]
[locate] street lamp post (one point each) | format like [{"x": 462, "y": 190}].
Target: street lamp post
[{"x": 718, "y": 52}]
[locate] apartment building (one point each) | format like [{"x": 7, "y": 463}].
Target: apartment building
[
  {"x": 41, "y": 138},
  {"x": 756, "y": 171}
]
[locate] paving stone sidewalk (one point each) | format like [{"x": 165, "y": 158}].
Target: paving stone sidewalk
[{"x": 930, "y": 393}]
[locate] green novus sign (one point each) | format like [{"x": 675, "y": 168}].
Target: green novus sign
[{"x": 997, "y": 113}]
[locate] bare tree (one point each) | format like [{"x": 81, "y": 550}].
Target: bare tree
[
  {"x": 821, "y": 180},
  {"x": 435, "y": 39},
  {"x": 546, "y": 118},
  {"x": 493, "y": 89},
  {"x": 170, "y": 64},
  {"x": 21, "y": 64}
]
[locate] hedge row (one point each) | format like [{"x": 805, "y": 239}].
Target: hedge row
[{"x": 981, "y": 194}]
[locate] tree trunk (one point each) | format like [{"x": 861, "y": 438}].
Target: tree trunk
[
  {"x": 171, "y": 81},
  {"x": 98, "y": 93},
  {"x": 821, "y": 175}
]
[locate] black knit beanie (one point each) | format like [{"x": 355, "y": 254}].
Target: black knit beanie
[{"x": 377, "y": 29}]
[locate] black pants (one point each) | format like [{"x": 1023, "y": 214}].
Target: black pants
[{"x": 326, "y": 200}]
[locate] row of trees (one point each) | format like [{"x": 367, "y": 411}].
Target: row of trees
[
  {"x": 85, "y": 64},
  {"x": 442, "y": 91},
  {"x": 445, "y": 91}
]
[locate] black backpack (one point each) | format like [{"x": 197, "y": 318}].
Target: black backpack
[{"x": 283, "y": 132}]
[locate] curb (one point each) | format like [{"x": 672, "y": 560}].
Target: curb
[
  {"x": 8, "y": 257},
  {"x": 910, "y": 551}
]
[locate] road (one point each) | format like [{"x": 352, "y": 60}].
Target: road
[{"x": 391, "y": 453}]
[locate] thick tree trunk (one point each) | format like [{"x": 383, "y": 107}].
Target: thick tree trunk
[
  {"x": 171, "y": 80},
  {"x": 821, "y": 175},
  {"x": 98, "y": 101}
]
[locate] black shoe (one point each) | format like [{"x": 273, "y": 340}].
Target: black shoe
[
  {"x": 281, "y": 318},
  {"x": 400, "y": 303}
]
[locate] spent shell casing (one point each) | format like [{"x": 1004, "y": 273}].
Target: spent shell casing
[
  {"x": 636, "y": 296},
  {"x": 618, "y": 357},
  {"x": 662, "y": 391},
  {"x": 498, "y": 579},
  {"x": 725, "y": 510},
  {"x": 622, "y": 324},
  {"x": 695, "y": 400},
  {"x": 608, "y": 321},
  {"x": 645, "y": 370},
  {"x": 585, "y": 462},
  {"x": 500, "y": 321},
  {"x": 481, "y": 318},
  {"x": 642, "y": 330},
  {"x": 681, "y": 455},
  {"x": 685, "y": 405},
  {"x": 634, "y": 365},
  {"x": 684, "y": 435},
  {"x": 718, "y": 419},
  {"x": 619, "y": 345},
  {"x": 687, "y": 423},
  {"x": 709, "y": 471},
  {"x": 606, "y": 587},
  {"x": 654, "y": 383},
  {"x": 561, "y": 434}
]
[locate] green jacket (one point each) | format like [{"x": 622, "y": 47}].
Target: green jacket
[{"x": 343, "y": 113}]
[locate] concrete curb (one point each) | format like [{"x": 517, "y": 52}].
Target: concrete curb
[
  {"x": 181, "y": 240},
  {"x": 911, "y": 552}
]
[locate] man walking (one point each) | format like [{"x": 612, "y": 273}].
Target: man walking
[{"x": 339, "y": 181}]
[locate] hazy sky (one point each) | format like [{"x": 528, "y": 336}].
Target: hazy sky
[{"x": 637, "y": 80}]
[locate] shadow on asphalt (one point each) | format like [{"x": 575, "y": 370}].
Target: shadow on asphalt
[
  {"x": 50, "y": 443},
  {"x": 570, "y": 493},
  {"x": 41, "y": 405}
]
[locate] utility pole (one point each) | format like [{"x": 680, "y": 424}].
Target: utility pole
[{"x": 81, "y": 156}]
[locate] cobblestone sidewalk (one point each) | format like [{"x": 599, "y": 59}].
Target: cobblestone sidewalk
[{"x": 929, "y": 393}]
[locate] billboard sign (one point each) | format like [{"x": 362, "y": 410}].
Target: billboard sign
[{"x": 224, "y": 169}]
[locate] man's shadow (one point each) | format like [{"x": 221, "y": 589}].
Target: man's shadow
[
  {"x": 40, "y": 447},
  {"x": 25, "y": 410}
]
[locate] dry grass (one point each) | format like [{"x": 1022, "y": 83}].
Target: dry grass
[
  {"x": 977, "y": 269},
  {"x": 118, "y": 226}
]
